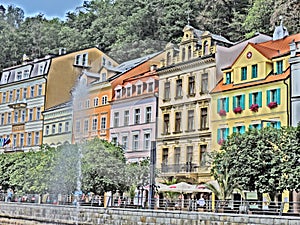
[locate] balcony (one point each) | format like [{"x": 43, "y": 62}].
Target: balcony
[
  {"x": 18, "y": 104},
  {"x": 182, "y": 168}
]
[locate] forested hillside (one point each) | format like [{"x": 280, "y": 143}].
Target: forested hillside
[{"x": 126, "y": 29}]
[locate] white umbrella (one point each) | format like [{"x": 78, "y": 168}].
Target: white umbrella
[{"x": 182, "y": 187}]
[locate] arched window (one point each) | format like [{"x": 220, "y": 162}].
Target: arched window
[
  {"x": 183, "y": 54},
  {"x": 189, "y": 52},
  {"x": 205, "y": 49}
]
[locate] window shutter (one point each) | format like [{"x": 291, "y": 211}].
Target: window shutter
[
  {"x": 268, "y": 97},
  {"x": 243, "y": 102},
  {"x": 250, "y": 99},
  {"x": 278, "y": 96},
  {"x": 242, "y": 129},
  {"x": 259, "y": 126},
  {"x": 227, "y": 104},
  {"x": 219, "y": 135},
  {"x": 259, "y": 99},
  {"x": 250, "y": 126},
  {"x": 219, "y": 104},
  {"x": 234, "y": 103},
  {"x": 278, "y": 125},
  {"x": 226, "y": 133},
  {"x": 234, "y": 129}
]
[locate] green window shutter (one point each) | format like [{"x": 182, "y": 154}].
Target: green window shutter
[
  {"x": 243, "y": 102},
  {"x": 226, "y": 133},
  {"x": 242, "y": 129},
  {"x": 259, "y": 127},
  {"x": 278, "y": 96},
  {"x": 250, "y": 99},
  {"x": 219, "y": 105},
  {"x": 278, "y": 125},
  {"x": 269, "y": 124},
  {"x": 250, "y": 126},
  {"x": 259, "y": 96},
  {"x": 233, "y": 102},
  {"x": 268, "y": 96},
  {"x": 234, "y": 129},
  {"x": 227, "y": 104},
  {"x": 219, "y": 135}
]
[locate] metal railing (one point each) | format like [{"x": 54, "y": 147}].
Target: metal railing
[{"x": 187, "y": 167}]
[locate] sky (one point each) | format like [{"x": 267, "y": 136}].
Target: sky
[{"x": 50, "y": 8}]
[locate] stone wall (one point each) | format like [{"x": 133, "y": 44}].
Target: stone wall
[{"x": 34, "y": 214}]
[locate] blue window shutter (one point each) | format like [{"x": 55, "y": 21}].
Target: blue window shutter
[
  {"x": 259, "y": 96},
  {"x": 278, "y": 125},
  {"x": 242, "y": 129},
  {"x": 233, "y": 102},
  {"x": 226, "y": 133},
  {"x": 268, "y": 124},
  {"x": 227, "y": 104},
  {"x": 278, "y": 96},
  {"x": 219, "y": 105},
  {"x": 268, "y": 97},
  {"x": 234, "y": 129},
  {"x": 219, "y": 135},
  {"x": 250, "y": 99},
  {"x": 250, "y": 126},
  {"x": 259, "y": 126},
  {"x": 243, "y": 102}
]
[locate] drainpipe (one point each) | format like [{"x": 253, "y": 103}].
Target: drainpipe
[{"x": 288, "y": 100}]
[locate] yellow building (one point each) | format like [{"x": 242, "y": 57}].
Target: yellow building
[{"x": 254, "y": 91}]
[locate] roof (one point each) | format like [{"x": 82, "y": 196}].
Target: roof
[
  {"x": 269, "y": 79},
  {"x": 59, "y": 106},
  {"x": 220, "y": 38},
  {"x": 90, "y": 74}
]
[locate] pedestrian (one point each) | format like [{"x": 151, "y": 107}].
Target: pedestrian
[{"x": 9, "y": 194}]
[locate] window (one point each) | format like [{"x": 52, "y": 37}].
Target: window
[
  {"x": 114, "y": 140},
  {"x": 38, "y": 113},
  {"x": 67, "y": 126},
  {"x": 103, "y": 123},
  {"x": 150, "y": 87},
  {"x": 84, "y": 59},
  {"x": 60, "y": 128},
  {"x": 239, "y": 129},
  {"x": 81, "y": 60},
  {"x": 279, "y": 67},
  {"x": 3, "y": 97},
  {"x": 41, "y": 68},
  {"x": 31, "y": 91},
  {"x": 183, "y": 54},
  {"x": 47, "y": 130},
  {"x": 104, "y": 100},
  {"x": 30, "y": 115},
  {"x": 126, "y": 117},
  {"x": 94, "y": 123},
  {"x": 23, "y": 115},
  {"x": 255, "y": 98},
  {"x": 14, "y": 140},
  {"x": 139, "y": 89},
  {"x": 165, "y": 156},
  {"x": 19, "y": 75},
  {"x": 254, "y": 71},
  {"x": 228, "y": 78},
  {"x": 116, "y": 119},
  {"x": 17, "y": 94},
  {"x": 2, "y": 119},
  {"x": 191, "y": 86},
  {"x": 29, "y": 139},
  {"x": 255, "y": 126},
  {"x": 16, "y": 116},
  {"x": 239, "y": 101},
  {"x": 96, "y": 101},
  {"x": 167, "y": 90},
  {"x": 77, "y": 126},
  {"x": 177, "y": 121},
  {"x": 53, "y": 129},
  {"x": 203, "y": 152},
  {"x": 204, "y": 83},
  {"x": 223, "y": 104},
  {"x": 125, "y": 142},
  {"x": 189, "y": 154},
  {"x": 179, "y": 88},
  {"x": 40, "y": 90},
  {"x": 146, "y": 141},
  {"x": 87, "y": 104},
  {"x": 11, "y": 94},
  {"x": 244, "y": 73},
  {"x": 118, "y": 94},
  {"x": 103, "y": 77},
  {"x": 148, "y": 114},
  {"x": 9, "y": 118},
  {"x": 37, "y": 138},
  {"x": 135, "y": 142},
  {"x": 86, "y": 126},
  {"x": 103, "y": 61},
  {"x": 168, "y": 61},
  {"x": 21, "y": 140},
  {"x": 26, "y": 74},
  {"x": 166, "y": 123},
  {"x": 137, "y": 116},
  {"x": 177, "y": 155},
  {"x": 24, "y": 93},
  {"x": 204, "y": 119},
  {"x": 205, "y": 49},
  {"x": 189, "y": 52},
  {"x": 191, "y": 120},
  {"x": 222, "y": 134},
  {"x": 128, "y": 91},
  {"x": 273, "y": 96}
]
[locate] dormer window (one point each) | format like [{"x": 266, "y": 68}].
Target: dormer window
[
  {"x": 139, "y": 89},
  {"x": 103, "y": 77},
  {"x": 279, "y": 67},
  {"x": 205, "y": 49},
  {"x": 244, "y": 73},
  {"x": 118, "y": 93},
  {"x": 84, "y": 59},
  {"x": 128, "y": 91},
  {"x": 228, "y": 78},
  {"x": 19, "y": 75},
  {"x": 254, "y": 71},
  {"x": 150, "y": 87},
  {"x": 26, "y": 74},
  {"x": 81, "y": 60},
  {"x": 41, "y": 68}
]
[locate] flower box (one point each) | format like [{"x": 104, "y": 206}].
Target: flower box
[
  {"x": 221, "y": 141},
  {"x": 254, "y": 107},
  {"x": 272, "y": 105},
  {"x": 222, "y": 112},
  {"x": 238, "y": 110}
]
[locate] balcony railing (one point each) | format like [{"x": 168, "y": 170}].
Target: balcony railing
[{"x": 187, "y": 167}]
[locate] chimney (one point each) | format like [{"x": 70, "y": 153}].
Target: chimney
[{"x": 62, "y": 51}]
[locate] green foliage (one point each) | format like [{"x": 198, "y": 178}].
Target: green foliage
[{"x": 266, "y": 162}]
